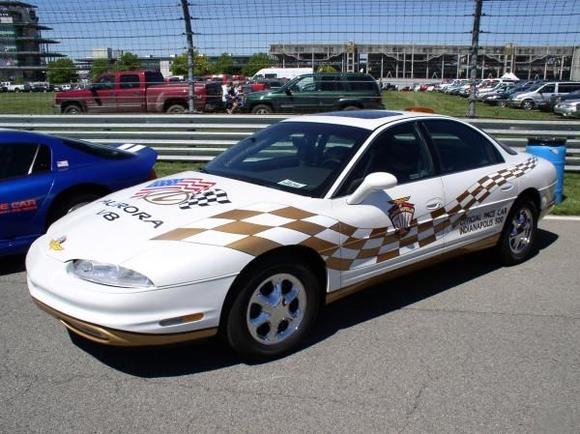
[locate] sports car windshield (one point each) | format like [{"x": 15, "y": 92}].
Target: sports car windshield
[{"x": 301, "y": 157}]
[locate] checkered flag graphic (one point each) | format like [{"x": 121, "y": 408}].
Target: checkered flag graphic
[
  {"x": 261, "y": 227},
  {"x": 206, "y": 198}
]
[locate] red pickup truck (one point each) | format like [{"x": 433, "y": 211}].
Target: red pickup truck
[{"x": 137, "y": 91}]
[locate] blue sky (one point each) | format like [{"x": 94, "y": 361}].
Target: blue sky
[{"x": 244, "y": 27}]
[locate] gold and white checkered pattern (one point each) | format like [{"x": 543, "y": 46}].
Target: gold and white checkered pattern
[{"x": 262, "y": 227}]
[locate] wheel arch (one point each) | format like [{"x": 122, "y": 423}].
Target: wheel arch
[
  {"x": 63, "y": 196},
  {"x": 533, "y": 195},
  {"x": 302, "y": 254}
]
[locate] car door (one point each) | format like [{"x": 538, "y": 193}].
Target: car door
[
  {"x": 25, "y": 181},
  {"x": 478, "y": 189},
  {"x": 330, "y": 90},
  {"x": 393, "y": 226},
  {"x": 103, "y": 98},
  {"x": 130, "y": 94},
  {"x": 303, "y": 96},
  {"x": 545, "y": 93}
]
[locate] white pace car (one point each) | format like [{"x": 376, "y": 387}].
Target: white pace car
[{"x": 300, "y": 214}]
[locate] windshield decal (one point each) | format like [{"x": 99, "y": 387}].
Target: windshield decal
[{"x": 290, "y": 183}]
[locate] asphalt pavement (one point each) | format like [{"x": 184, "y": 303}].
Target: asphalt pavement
[{"x": 465, "y": 346}]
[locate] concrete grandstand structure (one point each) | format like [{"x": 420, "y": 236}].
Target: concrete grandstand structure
[
  {"x": 413, "y": 62},
  {"x": 23, "y": 50}
]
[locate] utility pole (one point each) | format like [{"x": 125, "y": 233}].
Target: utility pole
[
  {"x": 189, "y": 39},
  {"x": 473, "y": 62}
]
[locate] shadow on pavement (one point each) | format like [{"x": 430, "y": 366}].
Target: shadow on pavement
[
  {"x": 12, "y": 264},
  {"x": 361, "y": 307}
]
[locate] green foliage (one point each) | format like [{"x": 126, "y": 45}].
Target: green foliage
[
  {"x": 61, "y": 71},
  {"x": 224, "y": 65},
  {"x": 179, "y": 65},
  {"x": 127, "y": 62},
  {"x": 201, "y": 65},
  {"x": 326, "y": 68},
  {"x": 98, "y": 67},
  {"x": 257, "y": 62}
]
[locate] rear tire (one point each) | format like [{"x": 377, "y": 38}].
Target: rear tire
[
  {"x": 518, "y": 238},
  {"x": 273, "y": 309},
  {"x": 262, "y": 109},
  {"x": 175, "y": 109}
]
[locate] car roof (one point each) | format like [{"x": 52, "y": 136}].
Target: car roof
[{"x": 367, "y": 119}]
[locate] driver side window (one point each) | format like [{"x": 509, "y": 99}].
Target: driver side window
[
  {"x": 106, "y": 82},
  {"x": 400, "y": 151},
  {"x": 305, "y": 84}
]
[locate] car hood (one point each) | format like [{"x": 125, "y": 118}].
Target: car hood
[{"x": 121, "y": 225}]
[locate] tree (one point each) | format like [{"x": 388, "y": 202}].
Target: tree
[
  {"x": 61, "y": 71},
  {"x": 326, "y": 68},
  {"x": 257, "y": 62},
  {"x": 98, "y": 67},
  {"x": 201, "y": 65},
  {"x": 225, "y": 64},
  {"x": 127, "y": 62}
]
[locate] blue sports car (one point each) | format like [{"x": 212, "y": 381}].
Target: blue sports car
[{"x": 44, "y": 177}]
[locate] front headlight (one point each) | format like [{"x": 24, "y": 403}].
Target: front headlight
[{"x": 108, "y": 274}]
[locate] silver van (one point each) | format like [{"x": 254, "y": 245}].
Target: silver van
[{"x": 539, "y": 95}]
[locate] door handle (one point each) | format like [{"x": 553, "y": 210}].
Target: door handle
[
  {"x": 507, "y": 186},
  {"x": 434, "y": 204}
]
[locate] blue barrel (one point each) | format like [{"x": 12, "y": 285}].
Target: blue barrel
[{"x": 553, "y": 150}]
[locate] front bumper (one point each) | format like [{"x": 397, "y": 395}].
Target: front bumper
[
  {"x": 104, "y": 335},
  {"x": 125, "y": 316}
]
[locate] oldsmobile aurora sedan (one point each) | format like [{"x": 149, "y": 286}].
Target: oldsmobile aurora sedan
[{"x": 300, "y": 214}]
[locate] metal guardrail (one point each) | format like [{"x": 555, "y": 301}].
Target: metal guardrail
[{"x": 202, "y": 137}]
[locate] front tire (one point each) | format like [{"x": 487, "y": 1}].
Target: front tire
[
  {"x": 273, "y": 310},
  {"x": 518, "y": 239},
  {"x": 72, "y": 109},
  {"x": 262, "y": 109},
  {"x": 528, "y": 105}
]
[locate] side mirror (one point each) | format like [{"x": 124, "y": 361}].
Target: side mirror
[{"x": 373, "y": 182}]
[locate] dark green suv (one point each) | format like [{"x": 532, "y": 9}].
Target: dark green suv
[{"x": 311, "y": 93}]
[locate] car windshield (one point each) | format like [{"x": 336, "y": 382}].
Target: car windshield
[{"x": 300, "y": 157}]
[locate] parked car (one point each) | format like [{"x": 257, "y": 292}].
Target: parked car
[
  {"x": 568, "y": 108},
  {"x": 138, "y": 91},
  {"x": 318, "y": 92},
  {"x": 500, "y": 98},
  {"x": 556, "y": 99},
  {"x": 41, "y": 87},
  {"x": 44, "y": 177},
  {"x": 539, "y": 96},
  {"x": 14, "y": 87},
  {"x": 300, "y": 214}
]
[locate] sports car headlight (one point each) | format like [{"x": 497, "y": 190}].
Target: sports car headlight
[{"x": 109, "y": 274}]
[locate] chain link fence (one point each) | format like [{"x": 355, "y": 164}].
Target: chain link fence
[{"x": 183, "y": 54}]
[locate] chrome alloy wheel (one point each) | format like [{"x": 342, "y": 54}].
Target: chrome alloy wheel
[
  {"x": 522, "y": 227},
  {"x": 276, "y": 309}
]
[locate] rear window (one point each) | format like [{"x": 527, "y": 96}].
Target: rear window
[
  {"x": 152, "y": 77},
  {"x": 361, "y": 82},
  {"x": 98, "y": 150}
]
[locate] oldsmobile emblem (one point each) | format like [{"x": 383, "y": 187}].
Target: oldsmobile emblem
[{"x": 56, "y": 245}]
